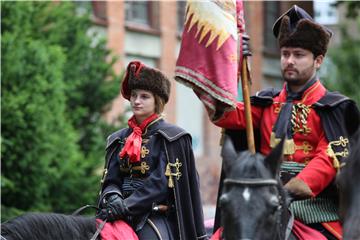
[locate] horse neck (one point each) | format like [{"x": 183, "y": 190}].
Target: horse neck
[{"x": 36, "y": 226}]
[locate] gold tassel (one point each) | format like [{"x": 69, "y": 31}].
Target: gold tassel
[
  {"x": 331, "y": 154},
  {"x": 336, "y": 163},
  {"x": 171, "y": 182},
  {"x": 289, "y": 145},
  {"x": 273, "y": 140},
  {"x": 167, "y": 171},
  {"x": 168, "y": 174}
]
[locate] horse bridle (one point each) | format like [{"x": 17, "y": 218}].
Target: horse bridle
[
  {"x": 260, "y": 182},
  {"x": 257, "y": 182},
  {"x": 101, "y": 225}
]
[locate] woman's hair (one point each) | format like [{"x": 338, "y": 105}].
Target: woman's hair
[{"x": 159, "y": 104}]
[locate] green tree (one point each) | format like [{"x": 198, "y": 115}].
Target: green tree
[
  {"x": 345, "y": 58},
  {"x": 352, "y": 8},
  {"x": 56, "y": 82}
]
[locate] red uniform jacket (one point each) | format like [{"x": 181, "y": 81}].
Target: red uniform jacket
[{"x": 310, "y": 147}]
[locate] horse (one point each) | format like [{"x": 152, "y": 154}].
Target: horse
[
  {"x": 348, "y": 181},
  {"x": 56, "y": 226},
  {"x": 44, "y": 226},
  {"x": 253, "y": 202}
]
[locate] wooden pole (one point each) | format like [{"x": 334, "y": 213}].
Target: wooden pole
[{"x": 246, "y": 95}]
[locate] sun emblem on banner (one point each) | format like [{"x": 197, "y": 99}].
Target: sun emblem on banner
[{"x": 216, "y": 17}]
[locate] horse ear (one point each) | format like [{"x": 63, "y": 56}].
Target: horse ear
[
  {"x": 228, "y": 151},
  {"x": 273, "y": 160}
]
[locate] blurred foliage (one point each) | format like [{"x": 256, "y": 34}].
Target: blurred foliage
[
  {"x": 57, "y": 81},
  {"x": 345, "y": 58},
  {"x": 352, "y": 8}
]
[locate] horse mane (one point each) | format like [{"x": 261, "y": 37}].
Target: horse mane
[
  {"x": 45, "y": 226},
  {"x": 248, "y": 165},
  {"x": 353, "y": 161},
  {"x": 348, "y": 180}
]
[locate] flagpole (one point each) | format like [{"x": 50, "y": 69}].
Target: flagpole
[{"x": 246, "y": 96}]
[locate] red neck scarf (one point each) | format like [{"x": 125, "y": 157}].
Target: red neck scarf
[{"x": 132, "y": 145}]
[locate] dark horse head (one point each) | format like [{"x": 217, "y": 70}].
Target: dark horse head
[
  {"x": 46, "y": 226},
  {"x": 349, "y": 185},
  {"x": 253, "y": 202}
]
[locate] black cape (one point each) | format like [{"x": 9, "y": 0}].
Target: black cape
[{"x": 186, "y": 191}]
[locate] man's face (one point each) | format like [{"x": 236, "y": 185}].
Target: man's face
[{"x": 298, "y": 65}]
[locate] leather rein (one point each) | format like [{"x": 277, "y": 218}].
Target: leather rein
[{"x": 101, "y": 225}]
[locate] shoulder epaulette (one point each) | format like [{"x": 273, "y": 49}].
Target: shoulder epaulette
[
  {"x": 171, "y": 132},
  {"x": 115, "y": 136},
  {"x": 331, "y": 99},
  {"x": 265, "y": 97}
]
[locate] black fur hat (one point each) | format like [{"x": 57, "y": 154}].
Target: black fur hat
[
  {"x": 139, "y": 76},
  {"x": 296, "y": 28}
]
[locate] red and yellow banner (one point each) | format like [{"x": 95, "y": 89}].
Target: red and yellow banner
[{"x": 209, "y": 56}]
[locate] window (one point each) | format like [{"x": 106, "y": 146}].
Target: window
[
  {"x": 271, "y": 14},
  {"x": 142, "y": 13},
  {"x": 82, "y": 7},
  {"x": 187, "y": 102},
  {"x": 325, "y": 12},
  {"x": 151, "y": 62},
  {"x": 99, "y": 9},
  {"x": 181, "y": 10}
]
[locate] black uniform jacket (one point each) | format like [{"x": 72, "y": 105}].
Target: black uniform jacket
[
  {"x": 339, "y": 115},
  {"x": 165, "y": 147}
]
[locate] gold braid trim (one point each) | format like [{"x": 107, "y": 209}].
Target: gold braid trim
[
  {"x": 170, "y": 174},
  {"x": 343, "y": 142},
  {"x": 299, "y": 115}
]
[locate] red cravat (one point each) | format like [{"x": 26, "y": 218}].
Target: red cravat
[{"x": 132, "y": 145}]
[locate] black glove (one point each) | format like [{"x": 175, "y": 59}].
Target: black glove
[
  {"x": 246, "y": 51},
  {"x": 102, "y": 214},
  {"x": 116, "y": 208}
]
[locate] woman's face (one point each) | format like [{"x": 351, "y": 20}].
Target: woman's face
[{"x": 142, "y": 103}]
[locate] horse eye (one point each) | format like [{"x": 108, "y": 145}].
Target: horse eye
[
  {"x": 274, "y": 202},
  {"x": 224, "y": 199}
]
